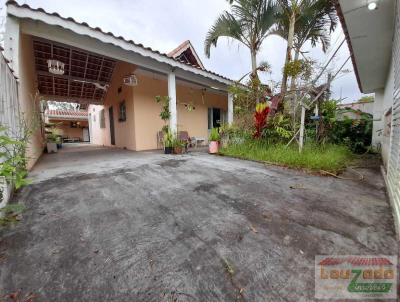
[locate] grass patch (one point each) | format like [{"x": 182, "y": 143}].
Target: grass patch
[{"x": 314, "y": 158}]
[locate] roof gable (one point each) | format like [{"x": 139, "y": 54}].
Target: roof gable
[{"x": 185, "y": 52}]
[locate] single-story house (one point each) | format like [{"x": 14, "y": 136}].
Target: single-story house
[
  {"x": 72, "y": 125},
  {"x": 354, "y": 110},
  {"x": 59, "y": 59},
  {"x": 372, "y": 30}
]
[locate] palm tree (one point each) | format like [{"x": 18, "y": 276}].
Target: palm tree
[
  {"x": 301, "y": 21},
  {"x": 249, "y": 22}
]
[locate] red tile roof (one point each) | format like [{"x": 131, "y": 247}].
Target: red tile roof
[
  {"x": 67, "y": 113},
  {"x": 12, "y": 2}
]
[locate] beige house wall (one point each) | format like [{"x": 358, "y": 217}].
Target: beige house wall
[
  {"x": 147, "y": 111},
  {"x": 29, "y": 102},
  {"x": 124, "y": 131},
  {"x": 64, "y": 128},
  {"x": 139, "y": 131}
]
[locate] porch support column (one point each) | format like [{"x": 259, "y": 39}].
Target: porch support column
[
  {"x": 230, "y": 108},
  {"x": 11, "y": 43},
  {"x": 172, "y": 102}
]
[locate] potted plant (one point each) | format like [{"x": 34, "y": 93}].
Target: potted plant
[
  {"x": 213, "y": 140},
  {"x": 178, "y": 146},
  {"x": 168, "y": 142},
  {"x": 52, "y": 141}
]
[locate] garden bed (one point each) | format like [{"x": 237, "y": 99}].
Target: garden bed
[{"x": 328, "y": 158}]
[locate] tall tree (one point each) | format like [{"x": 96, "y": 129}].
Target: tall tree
[
  {"x": 249, "y": 22},
  {"x": 301, "y": 21}
]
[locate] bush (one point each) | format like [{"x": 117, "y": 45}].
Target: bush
[{"x": 354, "y": 133}]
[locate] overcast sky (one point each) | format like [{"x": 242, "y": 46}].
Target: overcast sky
[{"x": 163, "y": 25}]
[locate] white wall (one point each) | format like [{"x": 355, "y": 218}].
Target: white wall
[
  {"x": 97, "y": 134},
  {"x": 383, "y": 103}
]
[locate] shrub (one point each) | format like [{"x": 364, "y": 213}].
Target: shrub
[
  {"x": 260, "y": 118},
  {"x": 214, "y": 135}
]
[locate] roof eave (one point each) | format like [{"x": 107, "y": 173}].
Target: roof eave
[
  {"x": 54, "y": 19},
  {"x": 346, "y": 34}
]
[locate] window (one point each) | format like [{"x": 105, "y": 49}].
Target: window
[
  {"x": 102, "y": 119},
  {"x": 122, "y": 112},
  {"x": 74, "y": 125}
]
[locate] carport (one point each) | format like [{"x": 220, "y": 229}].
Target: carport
[{"x": 57, "y": 58}]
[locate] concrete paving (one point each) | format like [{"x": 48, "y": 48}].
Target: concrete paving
[{"x": 114, "y": 225}]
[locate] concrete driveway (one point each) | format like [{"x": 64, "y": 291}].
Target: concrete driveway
[{"x": 113, "y": 225}]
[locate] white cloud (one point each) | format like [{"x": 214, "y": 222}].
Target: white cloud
[{"x": 163, "y": 25}]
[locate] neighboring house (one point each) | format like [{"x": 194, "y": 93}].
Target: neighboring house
[
  {"x": 72, "y": 125},
  {"x": 355, "y": 109},
  {"x": 373, "y": 37},
  {"x": 366, "y": 107},
  {"x": 63, "y": 60}
]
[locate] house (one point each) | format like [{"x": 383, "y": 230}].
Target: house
[
  {"x": 72, "y": 125},
  {"x": 354, "y": 110},
  {"x": 372, "y": 30},
  {"x": 58, "y": 59}
]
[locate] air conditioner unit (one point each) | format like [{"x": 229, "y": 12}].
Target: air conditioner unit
[{"x": 130, "y": 80}]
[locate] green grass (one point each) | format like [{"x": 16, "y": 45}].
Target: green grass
[{"x": 314, "y": 158}]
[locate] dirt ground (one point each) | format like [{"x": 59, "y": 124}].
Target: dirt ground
[{"x": 113, "y": 225}]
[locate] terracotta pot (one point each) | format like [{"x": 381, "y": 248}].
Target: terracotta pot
[
  {"x": 213, "y": 147},
  {"x": 178, "y": 150}
]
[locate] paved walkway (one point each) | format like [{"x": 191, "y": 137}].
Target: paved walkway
[{"x": 112, "y": 225}]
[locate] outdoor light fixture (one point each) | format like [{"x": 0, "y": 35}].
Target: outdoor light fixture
[
  {"x": 130, "y": 80},
  {"x": 55, "y": 67},
  {"x": 372, "y": 5}
]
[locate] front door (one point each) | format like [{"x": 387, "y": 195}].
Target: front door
[{"x": 112, "y": 133}]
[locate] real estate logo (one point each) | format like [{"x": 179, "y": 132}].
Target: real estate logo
[{"x": 355, "y": 277}]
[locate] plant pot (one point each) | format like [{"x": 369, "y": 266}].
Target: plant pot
[
  {"x": 178, "y": 150},
  {"x": 52, "y": 148},
  {"x": 168, "y": 150},
  {"x": 213, "y": 147}
]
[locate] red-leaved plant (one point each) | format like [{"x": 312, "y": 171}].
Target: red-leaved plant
[{"x": 260, "y": 118}]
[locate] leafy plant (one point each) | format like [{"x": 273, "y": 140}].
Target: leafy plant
[
  {"x": 13, "y": 165},
  {"x": 168, "y": 139},
  {"x": 278, "y": 130},
  {"x": 165, "y": 114},
  {"x": 260, "y": 118},
  {"x": 10, "y": 213},
  {"x": 214, "y": 135}
]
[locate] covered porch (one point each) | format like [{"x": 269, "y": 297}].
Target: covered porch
[{"x": 116, "y": 79}]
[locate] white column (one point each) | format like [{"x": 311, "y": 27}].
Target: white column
[
  {"x": 230, "y": 108},
  {"x": 172, "y": 102},
  {"x": 11, "y": 43}
]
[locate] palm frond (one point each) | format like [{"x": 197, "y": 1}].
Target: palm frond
[{"x": 225, "y": 26}]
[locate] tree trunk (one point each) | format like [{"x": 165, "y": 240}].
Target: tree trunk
[
  {"x": 288, "y": 53},
  {"x": 254, "y": 68},
  {"x": 253, "y": 63},
  {"x": 294, "y": 93}
]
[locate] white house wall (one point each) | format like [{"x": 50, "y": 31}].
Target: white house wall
[
  {"x": 383, "y": 103},
  {"x": 393, "y": 167}
]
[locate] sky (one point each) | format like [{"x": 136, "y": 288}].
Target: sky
[{"x": 163, "y": 25}]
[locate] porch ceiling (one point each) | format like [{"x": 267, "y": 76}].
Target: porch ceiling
[{"x": 84, "y": 75}]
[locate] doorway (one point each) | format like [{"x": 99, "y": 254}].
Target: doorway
[
  {"x": 215, "y": 118},
  {"x": 86, "y": 136},
  {"x": 112, "y": 132}
]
